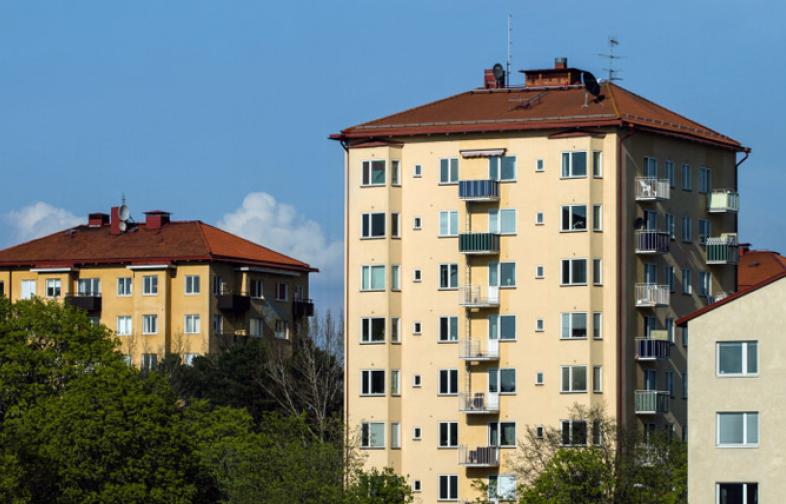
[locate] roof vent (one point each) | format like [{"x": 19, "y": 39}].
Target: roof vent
[
  {"x": 97, "y": 219},
  {"x": 156, "y": 219}
]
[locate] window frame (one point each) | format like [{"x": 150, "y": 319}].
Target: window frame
[
  {"x": 498, "y": 334},
  {"x": 395, "y": 172},
  {"x": 597, "y": 164},
  {"x": 597, "y": 218},
  {"x": 746, "y": 416},
  {"x": 150, "y": 285},
  {"x": 597, "y": 271},
  {"x": 744, "y": 487},
  {"x": 571, "y": 280},
  {"x": 367, "y": 283},
  {"x": 448, "y": 228},
  {"x": 597, "y": 379},
  {"x": 447, "y": 324},
  {"x": 93, "y": 284},
  {"x": 369, "y": 224},
  {"x": 256, "y": 288},
  {"x": 367, "y": 330},
  {"x": 500, "y": 166},
  {"x": 570, "y": 316},
  {"x": 448, "y": 435},
  {"x": 496, "y": 220},
  {"x": 568, "y": 170},
  {"x": 191, "y": 285},
  {"x": 448, "y": 382},
  {"x": 447, "y": 279},
  {"x": 282, "y": 291},
  {"x": 571, "y": 432},
  {"x": 498, "y": 372},
  {"x": 395, "y": 224},
  {"x": 451, "y": 485},
  {"x": 53, "y": 289},
  {"x": 451, "y": 176},
  {"x": 370, "y": 440},
  {"x": 369, "y": 387},
  {"x": 597, "y": 325},
  {"x": 127, "y": 323},
  {"x": 687, "y": 177},
  {"x": 367, "y": 173},
  {"x": 568, "y": 388},
  {"x": 745, "y": 359},
  {"x": 571, "y": 221},
  {"x": 192, "y": 324},
  {"x": 687, "y": 281},
  {"x": 539, "y": 219},
  {"x": 498, "y": 426},
  {"x": 705, "y": 180},
  {"x": 150, "y": 324},
  {"x": 497, "y": 270},
  {"x": 670, "y": 173}
]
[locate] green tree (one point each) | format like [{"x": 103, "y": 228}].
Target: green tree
[
  {"x": 378, "y": 487},
  {"x": 572, "y": 476}
]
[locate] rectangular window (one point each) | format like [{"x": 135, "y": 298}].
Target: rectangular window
[
  {"x": 705, "y": 283},
  {"x": 670, "y": 226},
  {"x": 448, "y": 329},
  {"x": 574, "y": 164},
  {"x": 685, "y": 336},
  {"x": 90, "y": 287},
  {"x": 597, "y": 164},
  {"x": 192, "y": 284},
  {"x": 539, "y": 325},
  {"x": 502, "y": 381},
  {"x": 282, "y": 291},
  {"x": 395, "y": 382},
  {"x": 670, "y": 383},
  {"x": 538, "y": 378},
  {"x": 670, "y": 329},
  {"x": 218, "y": 324},
  {"x": 53, "y": 288},
  {"x": 737, "y": 493},
  {"x": 192, "y": 324},
  {"x": 372, "y": 330},
  {"x": 539, "y": 165},
  {"x": 150, "y": 285},
  {"x": 574, "y": 379},
  {"x": 597, "y": 325},
  {"x": 502, "y": 274},
  {"x": 188, "y": 358},
  {"x": 448, "y": 487},
  {"x": 416, "y": 432},
  {"x": 448, "y": 223},
  {"x": 416, "y": 380},
  {"x": 574, "y": 272},
  {"x": 124, "y": 326},
  {"x": 418, "y": 171},
  {"x": 738, "y": 358},
  {"x": 2, "y": 288},
  {"x": 395, "y": 435},
  {"x": 705, "y": 231},
  {"x": 448, "y": 434},
  {"x": 448, "y": 276},
  {"x": 686, "y": 229},
  {"x": 28, "y": 289},
  {"x": 684, "y": 385},
  {"x": 395, "y": 277},
  {"x": 395, "y": 225},
  {"x": 449, "y": 171},
  {"x": 149, "y": 324},
  {"x": 218, "y": 285},
  {"x": 448, "y": 381},
  {"x": 687, "y": 183},
  {"x": 705, "y": 180},
  {"x": 738, "y": 429},
  {"x": 373, "y": 173},
  {"x": 502, "y": 327},
  {"x": 670, "y": 173},
  {"x": 372, "y": 435},
  {"x": 502, "y": 488},
  {"x": 416, "y": 328},
  {"x": 395, "y": 172},
  {"x": 257, "y": 327},
  {"x": 282, "y": 329},
  {"x": 574, "y": 218},
  {"x": 574, "y": 432},
  {"x": 540, "y": 271},
  {"x": 372, "y": 225},
  {"x": 372, "y": 382},
  {"x": 539, "y": 218},
  {"x": 257, "y": 289},
  {"x": 502, "y": 168},
  {"x": 597, "y": 379},
  {"x": 395, "y": 330},
  {"x": 502, "y": 221},
  {"x": 668, "y": 272},
  {"x": 687, "y": 286},
  {"x": 372, "y": 278},
  {"x": 574, "y": 325},
  {"x": 597, "y": 218},
  {"x": 149, "y": 361},
  {"x": 417, "y": 223},
  {"x": 650, "y": 167},
  {"x": 502, "y": 434},
  {"x": 597, "y": 271}
]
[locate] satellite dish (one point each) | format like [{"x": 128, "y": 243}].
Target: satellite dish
[
  {"x": 590, "y": 83},
  {"x": 122, "y": 226},
  {"x": 124, "y": 213},
  {"x": 499, "y": 72}
]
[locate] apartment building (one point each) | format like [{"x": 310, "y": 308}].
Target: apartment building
[
  {"x": 512, "y": 251},
  {"x": 734, "y": 452},
  {"x": 163, "y": 286}
]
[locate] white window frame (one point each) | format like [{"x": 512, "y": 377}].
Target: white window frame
[
  {"x": 539, "y": 218},
  {"x": 448, "y": 380},
  {"x": 395, "y": 330},
  {"x": 597, "y": 164},
  {"x": 149, "y": 324},
  {"x": 500, "y": 220},
  {"x": 125, "y": 325},
  {"x": 257, "y": 327},
  {"x": 417, "y": 275},
  {"x": 395, "y": 172},
  {"x": 572, "y": 225},
  {"x": 256, "y": 288},
  {"x": 540, "y": 165},
  {"x": 367, "y": 325},
  {"x": 705, "y": 283},
  {"x": 448, "y": 171},
  {"x": 687, "y": 232},
  {"x": 451, "y": 483},
  {"x": 498, "y": 160},
  {"x": 567, "y": 322},
  {"x": 88, "y": 287},
  {"x": 687, "y": 281},
  {"x": 367, "y": 278},
  {"x": 395, "y": 435},
  {"x": 367, "y": 173},
  {"x": 446, "y": 271},
  {"x": 191, "y": 285},
  {"x": 395, "y": 382},
  {"x": 417, "y": 328},
  {"x": 747, "y": 418},
  {"x": 570, "y": 424},
  {"x": 498, "y": 427},
  {"x": 705, "y": 231},
  {"x": 571, "y": 279},
  {"x": 395, "y": 224},
  {"x": 597, "y": 325},
  {"x": 367, "y": 383},
  {"x": 744, "y": 490},
  {"x": 395, "y": 277},
  {"x": 417, "y": 381},
  {"x": 498, "y": 373},
  {"x": 539, "y": 325},
  {"x": 417, "y": 223},
  {"x": 670, "y": 173},
  {"x": 369, "y": 440},
  {"x": 567, "y": 388},
  {"x": 282, "y": 329},
  {"x": 497, "y": 269},
  {"x": 668, "y": 273},
  {"x": 539, "y": 378},
  {"x": 597, "y": 271},
  {"x": 597, "y": 379},
  {"x": 597, "y": 218},
  {"x": 192, "y": 324},
  {"x": 650, "y": 167},
  {"x": 448, "y": 223},
  {"x": 540, "y": 271},
  {"x": 417, "y": 486},
  {"x": 417, "y": 433},
  {"x": 52, "y": 288},
  {"x": 370, "y": 223},
  {"x": 498, "y": 334},
  {"x": 568, "y": 170},
  {"x": 125, "y": 286},
  {"x": 671, "y": 226},
  {"x": 149, "y": 361},
  {"x": 744, "y": 357},
  {"x": 150, "y": 285},
  {"x": 417, "y": 171},
  {"x": 448, "y": 435},
  {"x": 448, "y": 329}
]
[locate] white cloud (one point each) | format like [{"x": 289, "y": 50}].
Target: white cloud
[
  {"x": 280, "y": 227},
  {"x": 40, "y": 219}
]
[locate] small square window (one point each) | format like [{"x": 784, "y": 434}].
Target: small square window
[
  {"x": 416, "y": 486},
  {"x": 417, "y": 275},
  {"x": 418, "y": 170},
  {"x": 416, "y": 328},
  {"x": 416, "y": 381},
  {"x": 538, "y": 378},
  {"x": 418, "y": 223},
  {"x": 539, "y": 325},
  {"x": 539, "y": 165},
  {"x": 417, "y": 433},
  {"x": 539, "y": 219},
  {"x": 539, "y": 270},
  {"x": 538, "y": 432}
]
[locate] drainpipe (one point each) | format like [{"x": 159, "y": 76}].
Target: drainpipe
[
  {"x": 346, "y": 293},
  {"x": 620, "y": 188},
  {"x": 747, "y": 152}
]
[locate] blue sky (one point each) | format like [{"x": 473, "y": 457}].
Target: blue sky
[{"x": 220, "y": 111}]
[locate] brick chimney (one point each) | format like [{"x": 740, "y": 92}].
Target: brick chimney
[
  {"x": 560, "y": 75},
  {"x": 489, "y": 81},
  {"x": 156, "y": 219},
  {"x": 97, "y": 219}
]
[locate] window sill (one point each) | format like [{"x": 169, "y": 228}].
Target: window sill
[
  {"x": 186, "y": 294},
  {"x": 573, "y": 392},
  {"x": 572, "y": 230},
  {"x": 736, "y": 375},
  {"x": 448, "y": 183},
  {"x": 372, "y": 395},
  {"x": 576, "y": 338},
  {"x": 735, "y": 447},
  {"x": 448, "y": 236},
  {"x": 373, "y": 185},
  {"x": 372, "y": 342},
  {"x": 373, "y": 237},
  {"x": 449, "y": 342},
  {"x": 448, "y": 288},
  {"x": 573, "y": 177},
  {"x": 361, "y": 290},
  {"x": 574, "y": 285}
]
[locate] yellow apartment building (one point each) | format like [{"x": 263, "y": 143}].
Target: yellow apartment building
[
  {"x": 163, "y": 286},
  {"x": 514, "y": 250}
]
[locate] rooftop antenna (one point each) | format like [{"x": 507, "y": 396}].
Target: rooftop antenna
[
  {"x": 613, "y": 41},
  {"x": 510, "y": 43}
]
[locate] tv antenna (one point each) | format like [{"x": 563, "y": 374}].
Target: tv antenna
[
  {"x": 613, "y": 41},
  {"x": 510, "y": 43}
]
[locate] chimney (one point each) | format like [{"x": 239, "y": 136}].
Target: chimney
[
  {"x": 489, "y": 81},
  {"x": 560, "y": 63},
  {"x": 115, "y": 221},
  {"x": 97, "y": 219},
  {"x": 156, "y": 219},
  {"x": 559, "y": 76}
]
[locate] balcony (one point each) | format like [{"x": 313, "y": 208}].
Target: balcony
[
  {"x": 479, "y": 243},
  {"x": 481, "y": 456},
  {"x": 723, "y": 250},
  {"x": 651, "y": 402},
  {"x": 479, "y": 349},
  {"x": 651, "y": 189},
  {"x": 479, "y": 190},
  {"x": 472, "y": 296},
  {"x": 723, "y": 201},
  {"x": 652, "y": 242},
  {"x": 652, "y": 349},
  {"x": 482, "y": 403},
  {"x": 89, "y": 301},
  {"x": 652, "y": 295},
  {"x": 303, "y": 308},
  {"x": 234, "y": 302},
  {"x": 719, "y": 296}
]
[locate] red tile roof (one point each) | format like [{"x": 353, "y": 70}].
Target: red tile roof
[
  {"x": 521, "y": 108},
  {"x": 758, "y": 265},
  {"x": 175, "y": 241}
]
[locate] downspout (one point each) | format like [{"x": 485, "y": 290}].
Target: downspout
[
  {"x": 346, "y": 294},
  {"x": 619, "y": 273},
  {"x": 747, "y": 151}
]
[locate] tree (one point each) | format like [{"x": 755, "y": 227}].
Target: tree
[{"x": 378, "y": 487}]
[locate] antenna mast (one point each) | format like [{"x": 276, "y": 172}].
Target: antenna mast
[
  {"x": 613, "y": 41},
  {"x": 507, "y": 74}
]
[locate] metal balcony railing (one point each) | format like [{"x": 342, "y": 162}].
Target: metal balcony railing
[
  {"x": 723, "y": 200},
  {"x": 479, "y": 190},
  {"x": 651, "y": 189},
  {"x": 479, "y": 402},
  {"x": 651, "y": 402},
  {"x": 652, "y": 349},
  {"x": 472, "y": 296},
  {"x": 652, "y": 295},
  {"x": 89, "y": 301},
  {"x": 652, "y": 242},
  {"x": 723, "y": 250},
  {"x": 481, "y": 456},
  {"x": 479, "y": 349},
  {"x": 479, "y": 243},
  {"x": 303, "y": 308},
  {"x": 233, "y": 301}
]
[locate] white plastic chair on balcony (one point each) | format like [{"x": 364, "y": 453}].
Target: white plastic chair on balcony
[{"x": 646, "y": 188}]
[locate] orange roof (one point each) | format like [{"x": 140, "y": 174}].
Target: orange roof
[
  {"x": 522, "y": 108},
  {"x": 175, "y": 241},
  {"x": 758, "y": 265}
]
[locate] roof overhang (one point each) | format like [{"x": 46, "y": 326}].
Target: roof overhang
[{"x": 272, "y": 271}]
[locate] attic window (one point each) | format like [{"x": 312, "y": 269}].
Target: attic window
[{"x": 481, "y": 153}]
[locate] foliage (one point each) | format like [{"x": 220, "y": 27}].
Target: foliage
[
  {"x": 378, "y": 487},
  {"x": 572, "y": 475}
]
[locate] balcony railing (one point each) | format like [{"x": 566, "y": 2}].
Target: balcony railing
[
  {"x": 723, "y": 200},
  {"x": 481, "y": 456},
  {"x": 652, "y": 349},
  {"x": 479, "y": 402},
  {"x": 303, "y": 308},
  {"x": 231, "y": 301},
  {"x": 723, "y": 250},
  {"x": 652, "y": 242},
  {"x": 479, "y": 243},
  {"x": 89, "y": 302},
  {"x": 479, "y": 349},
  {"x": 652, "y": 295},
  {"x": 718, "y": 296},
  {"x": 651, "y": 189},
  {"x": 472, "y": 296},
  {"x": 651, "y": 402},
  {"x": 479, "y": 190}
]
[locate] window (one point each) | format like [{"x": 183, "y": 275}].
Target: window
[
  {"x": 372, "y": 330},
  {"x": 574, "y": 272},
  {"x": 150, "y": 285},
  {"x": 448, "y": 434},
  {"x": 502, "y": 381},
  {"x": 502, "y": 487},
  {"x": 372, "y": 435},
  {"x": 670, "y": 173},
  {"x": 597, "y": 432},
  {"x": 597, "y": 218},
  {"x": 417, "y": 433},
  {"x": 395, "y": 330},
  {"x": 395, "y": 435},
  {"x": 597, "y": 271},
  {"x": 127, "y": 359},
  {"x": 149, "y": 324},
  {"x": 668, "y": 272},
  {"x": 539, "y": 325},
  {"x": 448, "y": 487},
  {"x": 218, "y": 324},
  {"x": 372, "y": 278},
  {"x": 502, "y": 327},
  {"x": 448, "y": 171},
  {"x": 502, "y": 434},
  {"x": 395, "y": 225},
  {"x": 417, "y": 275},
  {"x": 188, "y": 358},
  {"x": 395, "y": 277},
  {"x": 539, "y": 218},
  {"x": 417, "y": 328},
  {"x": 257, "y": 327},
  {"x": 257, "y": 289},
  {"x": 28, "y": 289},
  {"x": 418, "y": 171},
  {"x": 448, "y": 276},
  {"x": 539, "y": 271},
  {"x": 448, "y": 329},
  {"x": 686, "y": 178},
  {"x": 597, "y": 164},
  {"x": 416, "y": 380},
  {"x": 574, "y": 379},
  {"x": 149, "y": 361},
  {"x": 597, "y": 325},
  {"x": 685, "y": 336},
  {"x": 670, "y": 383},
  {"x": 300, "y": 292},
  {"x": 372, "y": 225},
  {"x": 539, "y": 165},
  {"x": 124, "y": 326},
  {"x": 372, "y": 382},
  {"x": 650, "y": 273},
  {"x": 218, "y": 285},
  {"x": 90, "y": 287},
  {"x": 670, "y": 226},
  {"x": 597, "y": 379},
  {"x": 651, "y": 220},
  {"x": 502, "y": 168},
  {"x": 53, "y": 288},
  {"x": 395, "y": 382},
  {"x": 705, "y": 283},
  {"x": 538, "y": 378},
  {"x": 705, "y": 180},
  {"x": 395, "y": 172},
  {"x": 574, "y": 432},
  {"x": 650, "y": 167},
  {"x": 416, "y": 486},
  {"x": 502, "y": 274},
  {"x": 502, "y": 221},
  {"x": 282, "y": 329},
  {"x": 448, "y": 223},
  {"x": 687, "y": 287},
  {"x": 705, "y": 231},
  {"x": 192, "y": 284},
  {"x": 651, "y": 379},
  {"x": 670, "y": 329},
  {"x": 192, "y": 324},
  {"x": 574, "y": 325},
  {"x": 574, "y": 164},
  {"x": 282, "y": 290},
  {"x": 417, "y": 223},
  {"x": 738, "y": 429},
  {"x": 538, "y": 432},
  {"x": 574, "y": 218},
  {"x": 448, "y": 381},
  {"x": 373, "y": 173},
  {"x": 737, "y": 493},
  {"x": 738, "y": 358},
  {"x": 2, "y": 288}
]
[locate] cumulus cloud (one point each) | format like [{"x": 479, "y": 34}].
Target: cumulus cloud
[
  {"x": 279, "y": 226},
  {"x": 40, "y": 219}
]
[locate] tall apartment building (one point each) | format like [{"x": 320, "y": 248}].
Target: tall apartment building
[
  {"x": 163, "y": 286},
  {"x": 511, "y": 251}
]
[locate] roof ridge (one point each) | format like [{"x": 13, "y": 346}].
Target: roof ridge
[
  {"x": 613, "y": 99},
  {"x": 204, "y": 238},
  {"x": 452, "y": 97}
]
